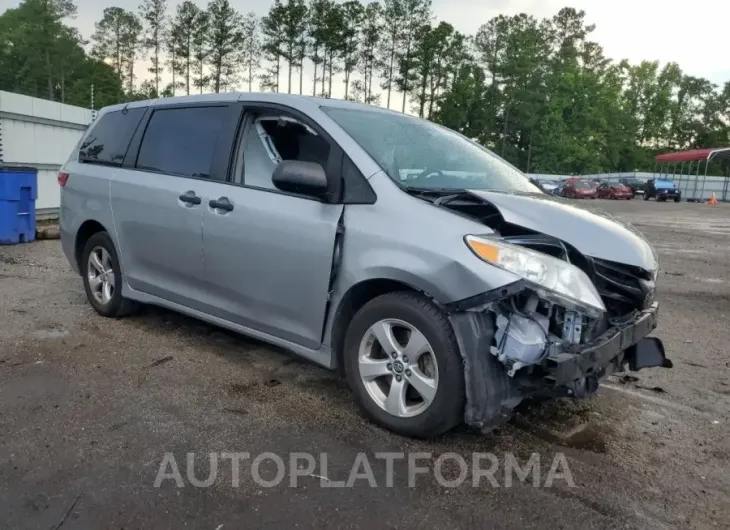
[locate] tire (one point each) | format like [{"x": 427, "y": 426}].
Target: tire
[
  {"x": 421, "y": 419},
  {"x": 677, "y": 199},
  {"x": 646, "y": 196},
  {"x": 116, "y": 305}
]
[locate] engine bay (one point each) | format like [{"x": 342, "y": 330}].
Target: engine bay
[{"x": 529, "y": 327}]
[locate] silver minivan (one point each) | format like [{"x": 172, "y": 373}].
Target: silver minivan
[{"x": 443, "y": 285}]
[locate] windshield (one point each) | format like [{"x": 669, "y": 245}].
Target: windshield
[
  {"x": 659, "y": 183},
  {"x": 582, "y": 184},
  {"x": 419, "y": 154}
]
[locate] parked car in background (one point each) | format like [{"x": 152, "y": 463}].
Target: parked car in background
[
  {"x": 661, "y": 190},
  {"x": 549, "y": 186},
  {"x": 637, "y": 185},
  {"x": 536, "y": 182},
  {"x": 579, "y": 189},
  {"x": 614, "y": 190},
  {"x": 428, "y": 271}
]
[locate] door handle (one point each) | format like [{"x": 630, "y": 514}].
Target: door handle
[
  {"x": 221, "y": 203},
  {"x": 189, "y": 197}
]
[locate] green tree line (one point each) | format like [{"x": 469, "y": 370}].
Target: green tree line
[{"x": 539, "y": 92}]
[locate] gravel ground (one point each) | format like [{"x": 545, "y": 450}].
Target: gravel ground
[{"x": 89, "y": 406}]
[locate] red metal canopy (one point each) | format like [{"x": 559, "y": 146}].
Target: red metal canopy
[{"x": 695, "y": 154}]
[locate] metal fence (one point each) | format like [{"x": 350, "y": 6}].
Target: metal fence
[
  {"x": 41, "y": 134},
  {"x": 693, "y": 187}
]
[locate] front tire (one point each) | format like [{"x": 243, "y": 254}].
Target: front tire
[
  {"x": 102, "y": 275},
  {"x": 646, "y": 196},
  {"x": 403, "y": 365}
]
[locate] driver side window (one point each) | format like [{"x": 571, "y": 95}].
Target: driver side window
[{"x": 269, "y": 138}]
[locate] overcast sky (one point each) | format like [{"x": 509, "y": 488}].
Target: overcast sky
[{"x": 693, "y": 33}]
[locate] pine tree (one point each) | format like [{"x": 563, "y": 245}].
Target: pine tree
[
  {"x": 155, "y": 35},
  {"x": 224, "y": 42}
]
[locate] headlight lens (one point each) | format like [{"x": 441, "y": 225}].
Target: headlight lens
[{"x": 554, "y": 279}]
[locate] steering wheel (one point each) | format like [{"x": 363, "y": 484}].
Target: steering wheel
[{"x": 428, "y": 173}]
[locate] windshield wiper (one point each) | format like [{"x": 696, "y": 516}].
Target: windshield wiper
[
  {"x": 433, "y": 191},
  {"x": 441, "y": 196}
]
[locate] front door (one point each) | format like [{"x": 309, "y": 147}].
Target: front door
[{"x": 268, "y": 254}]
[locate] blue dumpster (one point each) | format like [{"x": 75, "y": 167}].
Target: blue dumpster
[{"x": 18, "y": 193}]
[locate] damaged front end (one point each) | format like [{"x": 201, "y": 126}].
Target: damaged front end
[{"x": 569, "y": 320}]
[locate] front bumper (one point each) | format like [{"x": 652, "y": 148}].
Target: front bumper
[
  {"x": 611, "y": 351},
  {"x": 491, "y": 395}
]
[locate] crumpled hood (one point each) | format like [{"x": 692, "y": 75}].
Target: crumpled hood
[{"x": 593, "y": 232}]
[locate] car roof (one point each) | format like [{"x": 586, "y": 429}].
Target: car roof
[{"x": 295, "y": 101}]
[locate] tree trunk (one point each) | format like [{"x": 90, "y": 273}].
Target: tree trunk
[
  {"x": 347, "y": 83},
  {"x": 278, "y": 71},
  {"x": 324, "y": 69},
  {"x": 157, "y": 69},
  {"x": 315, "y": 58},
  {"x": 504, "y": 131},
  {"x": 390, "y": 74},
  {"x": 63, "y": 84},
  {"x": 405, "y": 78},
  {"x": 174, "y": 62},
  {"x": 329, "y": 89},
  {"x": 422, "y": 103},
  {"x": 49, "y": 76},
  {"x": 301, "y": 76},
  {"x": 187, "y": 67},
  {"x": 529, "y": 153},
  {"x": 290, "y": 67},
  {"x": 250, "y": 75},
  {"x": 370, "y": 84}
]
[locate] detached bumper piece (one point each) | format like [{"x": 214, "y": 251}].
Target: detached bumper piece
[{"x": 621, "y": 345}]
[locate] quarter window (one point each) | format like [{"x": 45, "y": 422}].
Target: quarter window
[
  {"x": 182, "y": 141},
  {"x": 108, "y": 138}
]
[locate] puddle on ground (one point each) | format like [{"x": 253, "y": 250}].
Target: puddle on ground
[
  {"x": 588, "y": 437},
  {"x": 45, "y": 334},
  {"x": 567, "y": 423}
]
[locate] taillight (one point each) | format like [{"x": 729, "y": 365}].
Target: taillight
[{"x": 62, "y": 178}]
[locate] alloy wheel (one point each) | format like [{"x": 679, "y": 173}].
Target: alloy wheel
[
  {"x": 398, "y": 368},
  {"x": 100, "y": 273}
]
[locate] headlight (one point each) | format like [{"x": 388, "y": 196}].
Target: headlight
[{"x": 553, "y": 279}]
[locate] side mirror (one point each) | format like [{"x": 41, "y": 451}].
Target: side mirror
[{"x": 295, "y": 176}]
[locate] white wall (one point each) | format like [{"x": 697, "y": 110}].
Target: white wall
[{"x": 40, "y": 133}]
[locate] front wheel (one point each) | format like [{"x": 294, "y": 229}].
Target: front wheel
[
  {"x": 676, "y": 199},
  {"x": 403, "y": 365},
  {"x": 646, "y": 196}
]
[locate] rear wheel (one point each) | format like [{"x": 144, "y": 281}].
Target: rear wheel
[
  {"x": 646, "y": 196},
  {"x": 403, "y": 365},
  {"x": 102, "y": 276}
]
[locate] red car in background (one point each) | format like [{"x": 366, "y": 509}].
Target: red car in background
[
  {"x": 579, "y": 189},
  {"x": 614, "y": 190}
]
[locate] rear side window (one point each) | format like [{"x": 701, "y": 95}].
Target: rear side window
[
  {"x": 109, "y": 138},
  {"x": 181, "y": 141}
]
